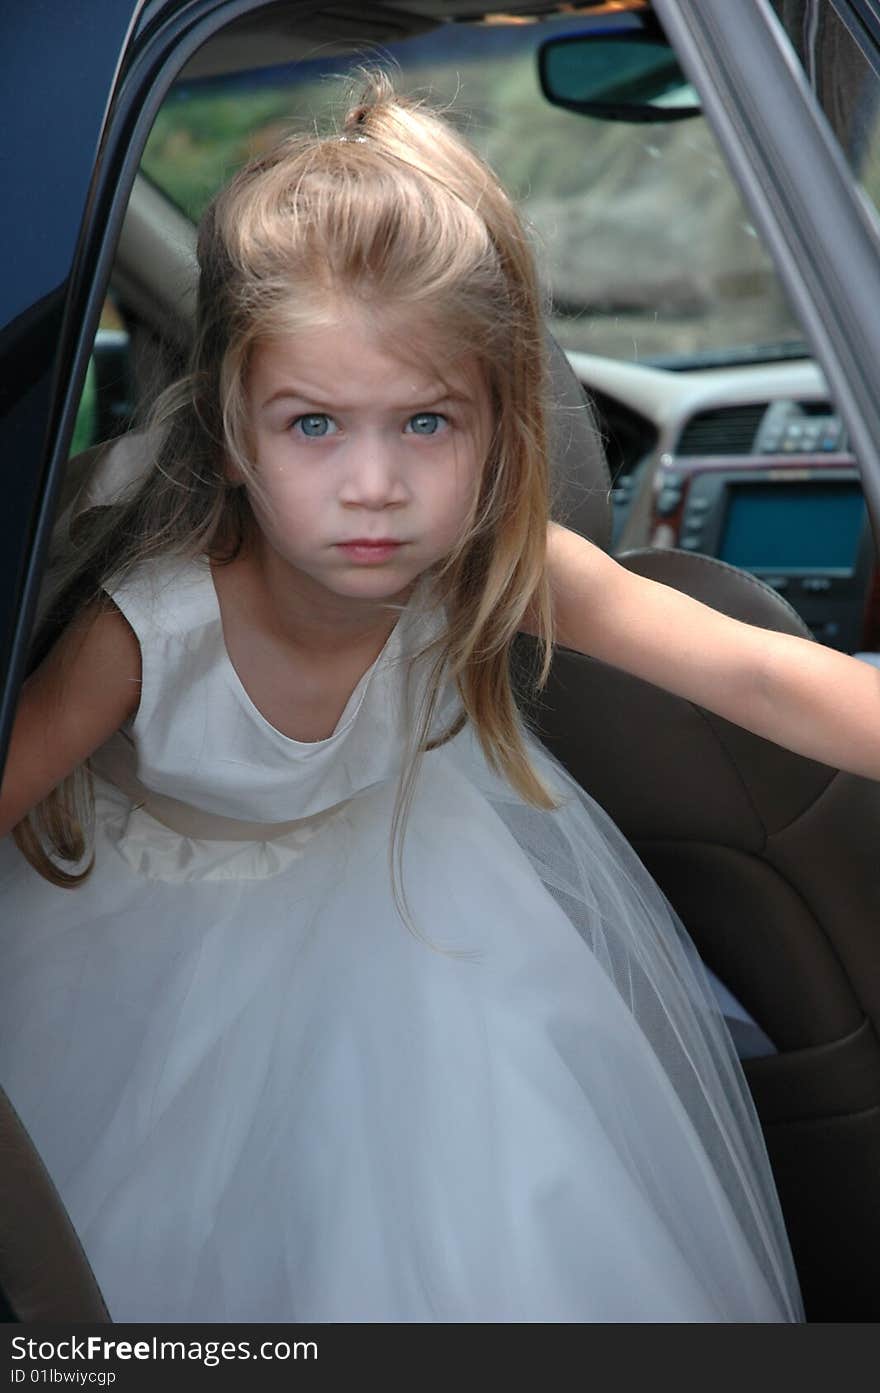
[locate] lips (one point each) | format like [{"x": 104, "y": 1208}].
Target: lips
[{"x": 370, "y": 549}]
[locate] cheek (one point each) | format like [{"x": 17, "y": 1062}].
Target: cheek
[
  {"x": 283, "y": 508},
  {"x": 285, "y": 488},
  {"x": 463, "y": 486},
  {"x": 447, "y": 501}
]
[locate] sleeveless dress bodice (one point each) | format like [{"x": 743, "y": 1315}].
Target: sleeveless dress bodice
[
  {"x": 286, "y": 1060},
  {"x": 196, "y": 727},
  {"x": 211, "y": 769}
]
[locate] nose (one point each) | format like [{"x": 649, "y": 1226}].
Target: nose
[{"x": 373, "y": 477}]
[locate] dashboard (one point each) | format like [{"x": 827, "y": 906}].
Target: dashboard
[{"x": 750, "y": 465}]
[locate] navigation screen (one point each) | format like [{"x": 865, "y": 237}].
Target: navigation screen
[{"x": 792, "y": 526}]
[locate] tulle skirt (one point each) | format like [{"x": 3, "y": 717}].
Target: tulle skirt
[{"x": 263, "y": 1096}]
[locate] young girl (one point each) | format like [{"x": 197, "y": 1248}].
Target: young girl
[{"x": 365, "y": 1011}]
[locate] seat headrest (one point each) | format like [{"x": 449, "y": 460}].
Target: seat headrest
[{"x": 580, "y": 482}]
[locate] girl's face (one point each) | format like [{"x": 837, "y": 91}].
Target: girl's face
[{"x": 368, "y": 464}]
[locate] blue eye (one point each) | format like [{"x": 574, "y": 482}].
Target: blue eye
[
  {"x": 315, "y": 425},
  {"x": 425, "y": 423}
]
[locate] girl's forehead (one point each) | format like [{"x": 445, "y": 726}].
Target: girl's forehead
[{"x": 361, "y": 354}]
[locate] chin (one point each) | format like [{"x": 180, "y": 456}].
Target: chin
[{"x": 372, "y": 583}]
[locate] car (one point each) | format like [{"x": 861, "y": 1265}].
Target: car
[{"x": 701, "y": 186}]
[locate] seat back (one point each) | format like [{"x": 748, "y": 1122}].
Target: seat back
[
  {"x": 44, "y": 1273},
  {"x": 771, "y": 860}
]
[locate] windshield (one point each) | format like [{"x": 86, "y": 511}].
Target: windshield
[{"x": 645, "y": 249}]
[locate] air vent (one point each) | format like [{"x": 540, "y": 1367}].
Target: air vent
[{"x": 729, "y": 430}]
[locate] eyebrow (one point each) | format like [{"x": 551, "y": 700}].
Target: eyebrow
[{"x": 418, "y": 403}]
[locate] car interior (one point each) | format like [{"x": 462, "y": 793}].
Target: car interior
[{"x": 697, "y": 445}]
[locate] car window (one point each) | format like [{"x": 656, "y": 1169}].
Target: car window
[
  {"x": 104, "y": 405},
  {"x": 844, "y": 78},
  {"x": 646, "y": 248}
]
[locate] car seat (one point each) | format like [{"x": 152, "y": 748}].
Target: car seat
[
  {"x": 44, "y": 1273},
  {"x": 770, "y": 859}
]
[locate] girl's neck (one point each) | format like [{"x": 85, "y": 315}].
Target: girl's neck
[{"x": 301, "y": 613}]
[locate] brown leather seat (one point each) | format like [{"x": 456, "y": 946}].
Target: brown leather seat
[
  {"x": 44, "y": 1273},
  {"x": 773, "y": 863}
]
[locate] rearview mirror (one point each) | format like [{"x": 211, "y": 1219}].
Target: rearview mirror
[{"x": 627, "y": 76}]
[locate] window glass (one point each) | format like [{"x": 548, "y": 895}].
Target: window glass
[
  {"x": 841, "y": 64},
  {"x": 644, "y": 244},
  {"x": 99, "y": 414}
]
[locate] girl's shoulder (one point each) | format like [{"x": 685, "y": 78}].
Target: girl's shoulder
[
  {"x": 166, "y": 596},
  {"x": 169, "y": 603}
]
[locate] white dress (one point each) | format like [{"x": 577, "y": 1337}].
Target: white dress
[{"x": 264, "y": 1097}]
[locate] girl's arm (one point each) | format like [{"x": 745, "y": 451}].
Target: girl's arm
[
  {"x": 86, "y": 688},
  {"x": 803, "y": 696}
]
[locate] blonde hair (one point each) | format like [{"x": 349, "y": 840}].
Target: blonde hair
[{"x": 394, "y": 211}]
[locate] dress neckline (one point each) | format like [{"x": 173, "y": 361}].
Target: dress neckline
[{"x": 352, "y": 705}]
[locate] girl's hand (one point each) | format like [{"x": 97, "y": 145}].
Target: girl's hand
[
  {"x": 86, "y": 688},
  {"x": 800, "y": 694}
]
